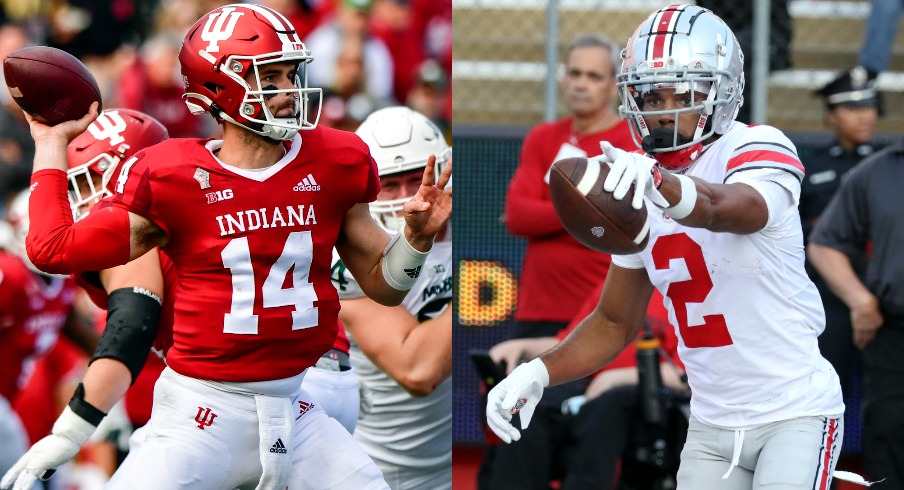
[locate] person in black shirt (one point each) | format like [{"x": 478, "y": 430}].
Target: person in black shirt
[
  {"x": 865, "y": 214},
  {"x": 852, "y": 108}
]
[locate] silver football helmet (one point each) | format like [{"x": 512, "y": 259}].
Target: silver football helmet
[
  {"x": 400, "y": 140},
  {"x": 691, "y": 50}
]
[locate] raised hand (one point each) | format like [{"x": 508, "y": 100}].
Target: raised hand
[{"x": 429, "y": 211}]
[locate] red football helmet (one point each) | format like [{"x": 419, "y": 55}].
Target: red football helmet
[
  {"x": 100, "y": 151},
  {"x": 218, "y": 53}
]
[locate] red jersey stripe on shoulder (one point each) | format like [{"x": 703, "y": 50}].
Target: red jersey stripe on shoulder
[{"x": 764, "y": 156}]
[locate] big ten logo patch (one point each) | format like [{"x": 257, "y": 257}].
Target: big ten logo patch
[
  {"x": 205, "y": 417},
  {"x": 215, "y": 196}
]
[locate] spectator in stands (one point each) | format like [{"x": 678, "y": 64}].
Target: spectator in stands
[
  {"x": 558, "y": 272},
  {"x": 175, "y": 17},
  {"x": 428, "y": 95},
  {"x": 305, "y": 15},
  {"x": 329, "y": 40},
  {"x": 154, "y": 86},
  {"x": 864, "y": 217},
  {"x": 91, "y": 27},
  {"x": 881, "y": 30},
  {"x": 345, "y": 101},
  {"x": 592, "y": 437},
  {"x": 16, "y": 145},
  {"x": 852, "y": 108},
  {"x": 391, "y": 21}
]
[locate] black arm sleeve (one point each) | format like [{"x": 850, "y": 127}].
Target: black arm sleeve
[{"x": 132, "y": 317}]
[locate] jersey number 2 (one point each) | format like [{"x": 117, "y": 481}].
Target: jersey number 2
[
  {"x": 237, "y": 258},
  {"x": 714, "y": 331}
]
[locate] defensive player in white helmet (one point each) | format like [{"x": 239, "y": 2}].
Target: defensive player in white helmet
[
  {"x": 726, "y": 252},
  {"x": 403, "y": 354}
]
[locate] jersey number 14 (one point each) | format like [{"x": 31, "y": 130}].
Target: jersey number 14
[{"x": 297, "y": 252}]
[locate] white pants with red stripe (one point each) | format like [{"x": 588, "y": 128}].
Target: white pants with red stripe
[
  {"x": 798, "y": 454},
  {"x": 201, "y": 437}
]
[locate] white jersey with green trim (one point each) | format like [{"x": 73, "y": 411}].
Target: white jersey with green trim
[{"x": 395, "y": 427}]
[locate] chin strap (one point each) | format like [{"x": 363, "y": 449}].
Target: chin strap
[{"x": 679, "y": 159}]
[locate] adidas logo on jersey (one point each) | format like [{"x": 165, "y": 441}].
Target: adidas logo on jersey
[
  {"x": 278, "y": 447},
  {"x": 307, "y": 184}
]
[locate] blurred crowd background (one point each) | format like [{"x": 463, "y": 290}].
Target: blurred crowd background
[{"x": 368, "y": 54}]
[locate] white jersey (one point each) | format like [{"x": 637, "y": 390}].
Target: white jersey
[
  {"x": 746, "y": 314},
  {"x": 395, "y": 427}
]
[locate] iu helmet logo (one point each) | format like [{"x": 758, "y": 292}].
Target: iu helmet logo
[
  {"x": 109, "y": 125},
  {"x": 219, "y": 27}
]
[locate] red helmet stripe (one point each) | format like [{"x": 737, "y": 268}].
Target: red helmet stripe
[{"x": 661, "y": 31}]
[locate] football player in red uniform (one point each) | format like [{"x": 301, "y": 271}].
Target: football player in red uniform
[
  {"x": 34, "y": 309},
  {"x": 249, "y": 222},
  {"x": 136, "y": 295}
]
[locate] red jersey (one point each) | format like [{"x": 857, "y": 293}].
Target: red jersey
[
  {"x": 341, "y": 342},
  {"x": 32, "y": 312},
  {"x": 557, "y": 272},
  {"x": 42, "y": 399},
  {"x": 164, "y": 339},
  {"x": 252, "y": 249}
]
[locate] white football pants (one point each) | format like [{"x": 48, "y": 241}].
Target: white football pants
[
  {"x": 203, "y": 438},
  {"x": 793, "y": 454},
  {"x": 336, "y": 392}
]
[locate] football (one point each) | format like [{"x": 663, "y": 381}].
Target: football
[
  {"x": 590, "y": 214},
  {"x": 50, "y": 84}
]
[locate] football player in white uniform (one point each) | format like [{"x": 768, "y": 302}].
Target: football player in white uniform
[
  {"x": 403, "y": 354},
  {"x": 726, "y": 252}
]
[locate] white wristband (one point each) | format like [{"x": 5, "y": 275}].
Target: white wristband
[
  {"x": 402, "y": 263},
  {"x": 685, "y": 205},
  {"x": 73, "y": 427},
  {"x": 540, "y": 368}
]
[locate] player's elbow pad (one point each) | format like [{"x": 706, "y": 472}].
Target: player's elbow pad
[{"x": 132, "y": 318}]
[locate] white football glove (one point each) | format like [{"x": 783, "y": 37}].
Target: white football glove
[
  {"x": 69, "y": 433},
  {"x": 627, "y": 168},
  {"x": 519, "y": 392}
]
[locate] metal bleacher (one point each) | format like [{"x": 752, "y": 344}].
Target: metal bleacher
[{"x": 499, "y": 53}]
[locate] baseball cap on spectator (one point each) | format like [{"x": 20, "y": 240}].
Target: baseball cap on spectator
[
  {"x": 358, "y": 4},
  {"x": 431, "y": 73},
  {"x": 852, "y": 88}
]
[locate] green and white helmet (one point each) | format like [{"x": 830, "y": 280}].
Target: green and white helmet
[{"x": 401, "y": 140}]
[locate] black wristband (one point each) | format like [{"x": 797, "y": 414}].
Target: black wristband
[{"x": 84, "y": 409}]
